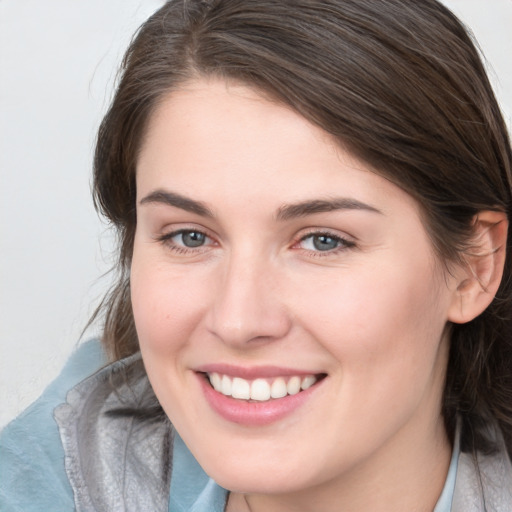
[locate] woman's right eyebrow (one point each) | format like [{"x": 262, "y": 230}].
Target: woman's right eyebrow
[{"x": 178, "y": 201}]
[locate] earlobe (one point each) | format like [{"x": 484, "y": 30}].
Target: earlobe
[{"x": 480, "y": 277}]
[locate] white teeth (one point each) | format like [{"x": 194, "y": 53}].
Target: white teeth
[
  {"x": 216, "y": 381},
  {"x": 293, "y": 386},
  {"x": 278, "y": 388},
  {"x": 307, "y": 382},
  {"x": 241, "y": 389},
  {"x": 260, "y": 389},
  {"x": 226, "y": 385}
]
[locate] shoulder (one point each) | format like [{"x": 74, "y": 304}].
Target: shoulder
[
  {"x": 117, "y": 440},
  {"x": 97, "y": 439},
  {"x": 32, "y": 474},
  {"x": 484, "y": 481}
]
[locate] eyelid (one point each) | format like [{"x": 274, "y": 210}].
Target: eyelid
[
  {"x": 305, "y": 233},
  {"x": 165, "y": 239},
  {"x": 346, "y": 241}
]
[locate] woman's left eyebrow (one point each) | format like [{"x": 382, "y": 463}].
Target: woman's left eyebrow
[{"x": 291, "y": 211}]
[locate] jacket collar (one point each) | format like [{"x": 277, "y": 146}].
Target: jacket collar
[{"x": 122, "y": 454}]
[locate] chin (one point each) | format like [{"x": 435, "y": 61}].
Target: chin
[
  {"x": 253, "y": 481},
  {"x": 263, "y": 473}
]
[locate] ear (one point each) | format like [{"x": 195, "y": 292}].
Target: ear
[{"x": 479, "y": 278}]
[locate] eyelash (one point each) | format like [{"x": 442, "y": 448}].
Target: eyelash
[
  {"x": 166, "y": 240},
  {"x": 343, "y": 244}
]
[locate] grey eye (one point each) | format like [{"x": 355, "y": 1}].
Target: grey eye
[
  {"x": 192, "y": 238},
  {"x": 324, "y": 242}
]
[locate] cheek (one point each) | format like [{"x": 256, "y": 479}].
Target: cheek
[
  {"x": 167, "y": 307},
  {"x": 391, "y": 317},
  {"x": 384, "y": 331},
  {"x": 166, "y": 304}
]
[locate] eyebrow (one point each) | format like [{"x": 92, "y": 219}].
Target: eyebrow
[
  {"x": 178, "y": 201},
  {"x": 285, "y": 212},
  {"x": 292, "y": 211}
]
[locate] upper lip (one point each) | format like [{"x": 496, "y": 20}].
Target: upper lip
[{"x": 254, "y": 372}]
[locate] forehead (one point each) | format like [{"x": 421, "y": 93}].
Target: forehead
[
  {"x": 230, "y": 142},
  {"x": 203, "y": 109}
]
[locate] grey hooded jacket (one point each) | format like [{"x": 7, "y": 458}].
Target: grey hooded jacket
[
  {"x": 121, "y": 454},
  {"x": 115, "y": 412}
]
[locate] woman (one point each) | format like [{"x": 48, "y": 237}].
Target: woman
[{"x": 314, "y": 295}]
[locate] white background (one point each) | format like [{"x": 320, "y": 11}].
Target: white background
[{"x": 58, "y": 60}]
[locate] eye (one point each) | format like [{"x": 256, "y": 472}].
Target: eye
[
  {"x": 190, "y": 238},
  {"x": 184, "y": 240},
  {"x": 324, "y": 242}
]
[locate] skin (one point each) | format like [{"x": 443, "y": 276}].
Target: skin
[{"x": 371, "y": 313}]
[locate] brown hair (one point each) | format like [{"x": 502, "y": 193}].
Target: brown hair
[{"x": 399, "y": 83}]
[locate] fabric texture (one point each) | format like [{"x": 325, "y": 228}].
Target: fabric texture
[
  {"x": 117, "y": 441},
  {"x": 32, "y": 473},
  {"x": 115, "y": 450}
]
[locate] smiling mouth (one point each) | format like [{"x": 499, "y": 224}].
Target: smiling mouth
[{"x": 261, "y": 390}]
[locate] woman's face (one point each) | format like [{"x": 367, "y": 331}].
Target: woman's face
[{"x": 266, "y": 258}]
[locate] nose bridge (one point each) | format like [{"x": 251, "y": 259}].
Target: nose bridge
[{"x": 247, "y": 305}]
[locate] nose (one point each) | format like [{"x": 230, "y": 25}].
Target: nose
[{"x": 248, "y": 304}]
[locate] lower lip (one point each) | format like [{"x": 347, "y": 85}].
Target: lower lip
[{"x": 254, "y": 413}]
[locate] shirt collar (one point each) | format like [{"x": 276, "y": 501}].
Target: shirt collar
[{"x": 192, "y": 490}]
